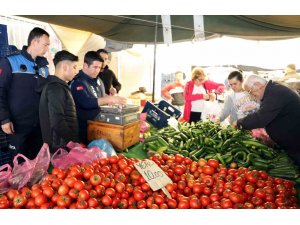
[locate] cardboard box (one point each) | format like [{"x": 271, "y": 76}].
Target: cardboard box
[{"x": 120, "y": 136}]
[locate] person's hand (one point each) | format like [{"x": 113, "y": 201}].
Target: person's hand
[
  {"x": 8, "y": 128},
  {"x": 113, "y": 91},
  {"x": 117, "y": 100},
  {"x": 234, "y": 124},
  {"x": 212, "y": 97},
  {"x": 206, "y": 97}
]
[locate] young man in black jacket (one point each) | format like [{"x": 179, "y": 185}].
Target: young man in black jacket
[
  {"x": 57, "y": 110},
  {"x": 111, "y": 83},
  {"x": 279, "y": 114}
]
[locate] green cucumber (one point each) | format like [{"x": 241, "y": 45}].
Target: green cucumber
[
  {"x": 150, "y": 139},
  {"x": 171, "y": 151}
]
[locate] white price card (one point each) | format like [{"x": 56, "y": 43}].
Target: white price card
[{"x": 153, "y": 175}]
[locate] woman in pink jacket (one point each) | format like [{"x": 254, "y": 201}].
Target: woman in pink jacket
[{"x": 196, "y": 92}]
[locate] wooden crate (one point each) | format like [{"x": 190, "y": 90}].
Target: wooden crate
[{"x": 120, "y": 136}]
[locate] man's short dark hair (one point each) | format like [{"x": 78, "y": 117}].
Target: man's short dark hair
[
  {"x": 64, "y": 55},
  {"x": 102, "y": 50},
  {"x": 92, "y": 56},
  {"x": 236, "y": 74},
  {"x": 36, "y": 33}
]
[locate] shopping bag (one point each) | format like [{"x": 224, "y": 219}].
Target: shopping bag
[
  {"x": 41, "y": 166},
  {"x": 261, "y": 134},
  {"x": 77, "y": 155},
  {"x": 21, "y": 172},
  {"x": 144, "y": 125},
  {"x": 5, "y": 172},
  {"x": 61, "y": 159},
  {"x": 104, "y": 145},
  {"x": 86, "y": 155},
  {"x": 211, "y": 110},
  {"x": 72, "y": 144}
]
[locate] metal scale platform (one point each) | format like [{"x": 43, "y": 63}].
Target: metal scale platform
[{"x": 117, "y": 114}]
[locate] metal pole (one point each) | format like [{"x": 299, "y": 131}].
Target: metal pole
[{"x": 154, "y": 60}]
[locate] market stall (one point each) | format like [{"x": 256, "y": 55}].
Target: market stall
[
  {"x": 199, "y": 165},
  {"x": 191, "y": 165}
]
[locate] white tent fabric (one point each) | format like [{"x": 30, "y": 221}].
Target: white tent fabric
[{"x": 72, "y": 39}]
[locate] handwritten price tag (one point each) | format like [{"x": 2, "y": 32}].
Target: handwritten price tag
[{"x": 154, "y": 175}]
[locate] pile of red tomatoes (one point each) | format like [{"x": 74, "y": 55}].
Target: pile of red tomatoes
[{"x": 115, "y": 183}]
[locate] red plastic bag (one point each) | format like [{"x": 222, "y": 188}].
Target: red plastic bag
[
  {"x": 61, "y": 159},
  {"x": 261, "y": 133},
  {"x": 87, "y": 155},
  {"x": 21, "y": 173},
  {"x": 5, "y": 172},
  {"x": 77, "y": 155},
  {"x": 42, "y": 162},
  {"x": 72, "y": 144},
  {"x": 144, "y": 125}
]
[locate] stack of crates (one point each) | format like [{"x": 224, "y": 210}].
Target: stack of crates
[
  {"x": 158, "y": 115},
  {"x": 169, "y": 109},
  {"x": 7, "y": 50}
]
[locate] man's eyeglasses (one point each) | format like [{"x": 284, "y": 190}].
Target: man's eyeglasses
[
  {"x": 251, "y": 89},
  {"x": 45, "y": 44}
]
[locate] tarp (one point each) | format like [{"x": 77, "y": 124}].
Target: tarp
[{"x": 140, "y": 29}]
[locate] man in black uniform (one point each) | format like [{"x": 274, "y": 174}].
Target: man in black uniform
[
  {"x": 58, "y": 115},
  {"x": 20, "y": 75},
  {"x": 111, "y": 83},
  {"x": 88, "y": 92},
  {"x": 279, "y": 114}
]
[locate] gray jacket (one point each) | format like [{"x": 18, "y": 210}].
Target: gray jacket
[
  {"x": 229, "y": 109},
  {"x": 237, "y": 110}
]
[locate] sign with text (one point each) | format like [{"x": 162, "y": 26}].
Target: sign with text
[{"x": 154, "y": 175}]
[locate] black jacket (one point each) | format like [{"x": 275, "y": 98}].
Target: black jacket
[
  {"x": 109, "y": 79},
  {"x": 86, "y": 91},
  {"x": 279, "y": 113},
  {"x": 58, "y": 116}
]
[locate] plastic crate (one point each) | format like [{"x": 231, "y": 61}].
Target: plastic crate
[
  {"x": 7, "y": 50},
  {"x": 155, "y": 115},
  {"x": 168, "y": 108}
]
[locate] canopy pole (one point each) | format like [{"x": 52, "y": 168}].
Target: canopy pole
[{"x": 154, "y": 60}]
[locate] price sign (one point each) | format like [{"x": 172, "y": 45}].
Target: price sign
[{"x": 154, "y": 175}]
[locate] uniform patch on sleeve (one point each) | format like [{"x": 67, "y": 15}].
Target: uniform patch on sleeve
[
  {"x": 0, "y": 71},
  {"x": 79, "y": 88}
]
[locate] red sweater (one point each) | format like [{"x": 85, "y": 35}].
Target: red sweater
[
  {"x": 166, "y": 90},
  {"x": 189, "y": 97}
]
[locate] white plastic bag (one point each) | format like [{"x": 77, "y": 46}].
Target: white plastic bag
[
  {"x": 172, "y": 122},
  {"x": 211, "y": 110}
]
